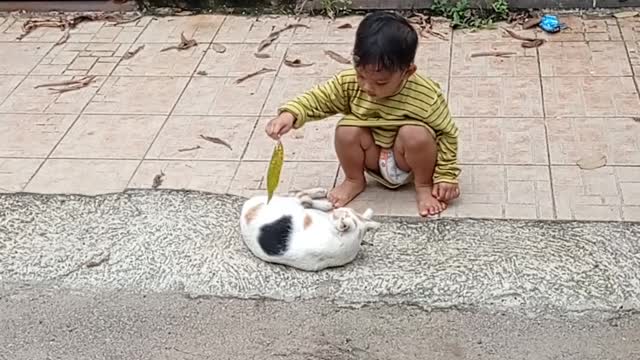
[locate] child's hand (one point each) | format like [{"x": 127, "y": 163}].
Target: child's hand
[
  {"x": 279, "y": 126},
  {"x": 445, "y": 192}
]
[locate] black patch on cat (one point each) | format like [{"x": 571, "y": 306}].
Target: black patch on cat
[{"x": 274, "y": 237}]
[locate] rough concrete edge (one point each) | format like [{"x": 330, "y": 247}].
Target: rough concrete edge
[{"x": 382, "y": 218}]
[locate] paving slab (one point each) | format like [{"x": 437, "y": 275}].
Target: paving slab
[{"x": 533, "y": 114}]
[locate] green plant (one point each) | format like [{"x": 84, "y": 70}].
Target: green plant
[
  {"x": 463, "y": 16},
  {"x": 335, "y": 8}
]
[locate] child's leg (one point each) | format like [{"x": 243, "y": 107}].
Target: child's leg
[
  {"x": 356, "y": 150},
  {"x": 415, "y": 150}
]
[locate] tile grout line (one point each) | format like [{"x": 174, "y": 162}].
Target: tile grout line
[
  {"x": 106, "y": 78},
  {"x": 170, "y": 113},
  {"x": 547, "y": 141},
  {"x": 626, "y": 48}
]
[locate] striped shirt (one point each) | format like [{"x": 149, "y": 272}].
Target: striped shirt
[{"x": 420, "y": 102}]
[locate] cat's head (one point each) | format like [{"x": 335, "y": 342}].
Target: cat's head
[{"x": 348, "y": 219}]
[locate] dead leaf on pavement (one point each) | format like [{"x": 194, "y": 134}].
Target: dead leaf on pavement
[
  {"x": 255, "y": 73},
  {"x": 337, "y": 57},
  {"x": 592, "y": 162},
  {"x": 517, "y": 36},
  {"x": 345, "y": 26},
  {"x": 202, "y": 72},
  {"x": 70, "y": 84},
  {"x": 216, "y": 140},
  {"x": 626, "y": 14},
  {"x": 532, "y": 44},
  {"x": 636, "y": 119},
  {"x": 183, "y": 45},
  {"x": 262, "y": 55},
  {"x": 131, "y": 53},
  {"x": 296, "y": 63},
  {"x": 219, "y": 48},
  {"x": 493, "y": 53},
  {"x": 274, "y": 35},
  {"x": 531, "y": 23},
  {"x": 157, "y": 180},
  {"x": 190, "y": 149}
]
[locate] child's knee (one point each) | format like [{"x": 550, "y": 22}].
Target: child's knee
[
  {"x": 353, "y": 135},
  {"x": 415, "y": 137}
]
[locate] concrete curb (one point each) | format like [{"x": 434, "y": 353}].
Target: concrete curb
[{"x": 189, "y": 241}]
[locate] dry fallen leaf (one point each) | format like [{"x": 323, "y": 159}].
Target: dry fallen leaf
[
  {"x": 296, "y": 63},
  {"x": 268, "y": 41},
  {"x": 131, "y": 53},
  {"x": 183, "y": 45},
  {"x": 255, "y": 73},
  {"x": 636, "y": 119},
  {"x": 592, "y": 162},
  {"x": 337, "y": 57},
  {"x": 345, "y": 26},
  {"x": 219, "y": 48},
  {"x": 262, "y": 55},
  {"x": 190, "y": 149},
  {"x": 202, "y": 72},
  {"x": 531, "y": 23},
  {"x": 70, "y": 84},
  {"x": 626, "y": 14},
  {"x": 157, "y": 180},
  {"x": 532, "y": 44},
  {"x": 216, "y": 140},
  {"x": 517, "y": 36},
  {"x": 493, "y": 53}
]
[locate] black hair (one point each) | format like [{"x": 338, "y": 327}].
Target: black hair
[{"x": 385, "y": 40}]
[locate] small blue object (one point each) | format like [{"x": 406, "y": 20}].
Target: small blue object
[{"x": 551, "y": 24}]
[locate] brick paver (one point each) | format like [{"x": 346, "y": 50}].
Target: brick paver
[{"x": 525, "y": 120}]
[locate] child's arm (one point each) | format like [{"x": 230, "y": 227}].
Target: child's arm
[
  {"x": 440, "y": 121},
  {"x": 322, "y": 101}
]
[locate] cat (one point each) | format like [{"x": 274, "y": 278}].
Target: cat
[{"x": 303, "y": 230}]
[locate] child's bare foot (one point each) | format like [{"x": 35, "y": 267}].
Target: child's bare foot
[
  {"x": 342, "y": 194},
  {"x": 427, "y": 204}
]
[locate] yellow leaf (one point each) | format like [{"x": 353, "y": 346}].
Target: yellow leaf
[{"x": 275, "y": 166}]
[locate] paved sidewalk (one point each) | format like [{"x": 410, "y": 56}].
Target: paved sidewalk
[{"x": 525, "y": 120}]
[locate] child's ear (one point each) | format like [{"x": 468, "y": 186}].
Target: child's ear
[{"x": 411, "y": 70}]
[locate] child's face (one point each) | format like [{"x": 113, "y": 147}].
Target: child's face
[{"x": 380, "y": 84}]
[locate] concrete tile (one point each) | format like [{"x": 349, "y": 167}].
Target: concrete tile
[
  {"x": 28, "y": 99},
  {"x": 222, "y": 96},
  {"x": 488, "y": 191},
  {"x": 502, "y": 141},
  {"x": 104, "y": 32},
  {"x": 202, "y": 28},
  {"x": 151, "y": 61},
  {"x": 587, "y": 194},
  {"x": 496, "y": 96},
  {"x": 579, "y": 29},
  {"x": 209, "y": 176},
  {"x": 251, "y": 177},
  {"x": 323, "y": 66},
  {"x": 109, "y": 137},
  {"x": 594, "y": 58},
  {"x": 285, "y": 89},
  {"x": 488, "y": 35},
  {"x": 630, "y": 28},
  {"x": 81, "y": 176},
  {"x": 432, "y": 58},
  {"x": 633, "y": 50},
  {"x": 313, "y": 142},
  {"x": 7, "y": 84},
  {"x": 12, "y": 28},
  {"x": 31, "y": 135},
  {"x": 237, "y": 29},
  {"x": 21, "y": 58},
  {"x": 239, "y": 60},
  {"x": 571, "y": 139},
  {"x": 590, "y": 96},
  {"x": 183, "y": 132},
  {"x": 15, "y": 173},
  {"x": 523, "y": 63},
  {"x": 496, "y": 191},
  {"x": 324, "y": 30},
  {"x": 137, "y": 95}
]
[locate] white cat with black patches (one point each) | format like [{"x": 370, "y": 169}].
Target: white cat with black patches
[{"x": 303, "y": 231}]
